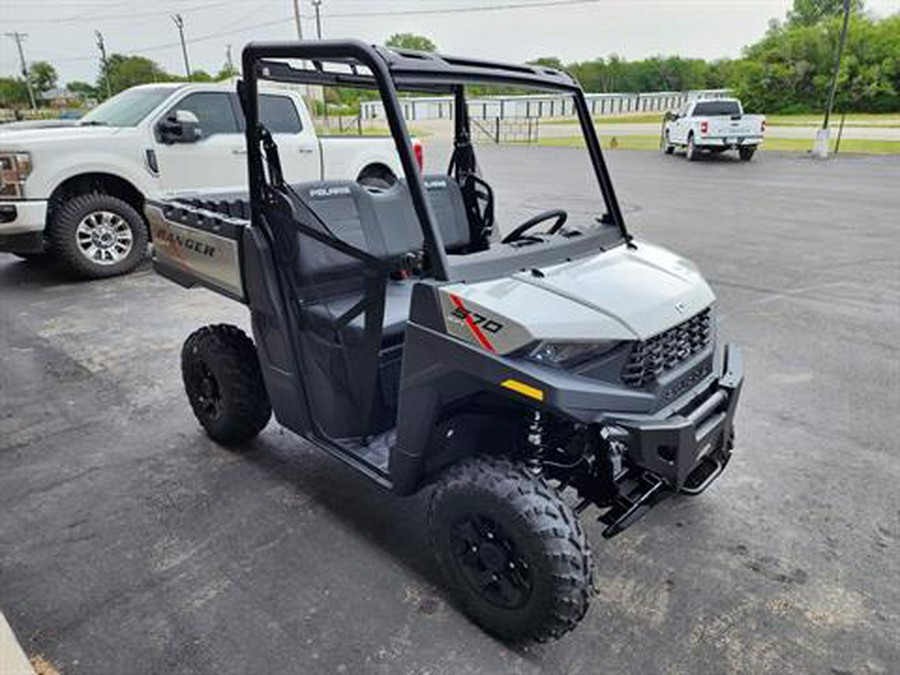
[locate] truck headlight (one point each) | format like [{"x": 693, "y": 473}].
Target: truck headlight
[
  {"x": 568, "y": 354},
  {"x": 14, "y": 169}
]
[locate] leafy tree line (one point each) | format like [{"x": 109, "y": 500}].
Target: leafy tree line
[{"x": 120, "y": 72}]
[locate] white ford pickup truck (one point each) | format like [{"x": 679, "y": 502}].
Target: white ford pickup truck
[
  {"x": 714, "y": 125},
  {"x": 77, "y": 191}
]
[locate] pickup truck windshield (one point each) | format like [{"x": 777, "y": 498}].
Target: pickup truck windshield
[
  {"x": 714, "y": 108},
  {"x": 128, "y": 108}
]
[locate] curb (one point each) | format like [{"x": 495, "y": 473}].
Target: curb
[{"x": 12, "y": 659}]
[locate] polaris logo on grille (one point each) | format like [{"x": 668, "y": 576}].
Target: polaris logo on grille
[
  {"x": 329, "y": 191},
  {"x": 433, "y": 184}
]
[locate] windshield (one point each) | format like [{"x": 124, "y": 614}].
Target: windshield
[{"x": 127, "y": 108}]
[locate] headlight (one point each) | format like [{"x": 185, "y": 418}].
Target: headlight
[
  {"x": 568, "y": 354},
  {"x": 14, "y": 169}
]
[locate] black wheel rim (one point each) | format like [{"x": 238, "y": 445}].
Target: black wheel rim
[
  {"x": 490, "y": 562},
  {"x": 207, "y": 392}
]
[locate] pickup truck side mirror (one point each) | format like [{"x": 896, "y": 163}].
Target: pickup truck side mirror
[{"x": 181, "y": 126}]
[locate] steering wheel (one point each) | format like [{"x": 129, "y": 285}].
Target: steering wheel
[{"x": 561, "y": 218}]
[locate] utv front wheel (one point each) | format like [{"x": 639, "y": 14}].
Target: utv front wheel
[
  {"x": 514, "y": 554},
  {"x": 224, "y": 384}
]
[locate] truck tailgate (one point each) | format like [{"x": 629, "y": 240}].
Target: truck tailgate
[
  {"x": 726, "y": 127},
  {"x": 197, "y": 245}
]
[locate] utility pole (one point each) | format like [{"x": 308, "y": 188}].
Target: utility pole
[
  {"x": 820, "y": 147},
  {"x": 228, "y": 60},
  {"x": 297, "y": 19},
  {"x": 180, "y": 23},
  {"x": 317, "y": 4},
  {"x": 102, "y": 47},
  {"x": 837, "y": 64},
  {"x": 19, "y": 37}
]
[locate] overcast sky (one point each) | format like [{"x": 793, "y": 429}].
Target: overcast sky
[{"x": 61, "y": 31}]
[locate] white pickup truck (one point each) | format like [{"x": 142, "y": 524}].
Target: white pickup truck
[
  {"x": 78, "y": 191},
  {"x": 713, "y": 125}
]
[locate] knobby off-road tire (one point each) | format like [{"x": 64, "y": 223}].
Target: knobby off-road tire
[
  {"x": 224, "y": 384},
  {"x": 513, "y": 552},
  {"x": 97, "y": 235},
  {"x": 746, "y": 154}
]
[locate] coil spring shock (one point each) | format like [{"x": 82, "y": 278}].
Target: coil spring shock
[{"x": 535, "y": 441}]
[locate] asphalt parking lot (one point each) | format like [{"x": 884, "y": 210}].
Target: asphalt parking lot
[{"x": 129, "y": 543}]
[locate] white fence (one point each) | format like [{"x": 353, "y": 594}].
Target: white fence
[{"x": 538, "y": 106}]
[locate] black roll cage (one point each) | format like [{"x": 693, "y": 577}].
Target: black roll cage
[{"x": 391, "y": 71}]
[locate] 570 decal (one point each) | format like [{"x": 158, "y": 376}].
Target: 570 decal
[{"x": 484, "y": 323}]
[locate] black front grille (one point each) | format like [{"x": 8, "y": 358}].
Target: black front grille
[{"x": 653, "y": 357}]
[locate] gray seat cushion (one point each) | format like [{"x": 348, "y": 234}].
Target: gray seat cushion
[{"x": 396, "y": 313}]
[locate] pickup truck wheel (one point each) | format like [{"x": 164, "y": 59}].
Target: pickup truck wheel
[
  {"x": 691, "y": 150},
  {"x": 746, "y": 154},
  {"x": 97, "y": 235},
  {"x": 668, "y": 148},
  {"x": 513, "y": 552},
  {"x": 224, "y": 384},
  {"x": 378, "y": 177}
]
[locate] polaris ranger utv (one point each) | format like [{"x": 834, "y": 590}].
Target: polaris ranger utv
[{"x": 393, "y": 329}]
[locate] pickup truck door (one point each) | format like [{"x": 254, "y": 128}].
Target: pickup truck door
[
  {"x": 679, "y": 129},
  {"x": 293, "y": 132},
  {"x": 216, "y": 160}
]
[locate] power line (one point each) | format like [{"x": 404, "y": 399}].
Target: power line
[
  {"x": 87, "y": 18},
  {"x": 341, "y": 15}
]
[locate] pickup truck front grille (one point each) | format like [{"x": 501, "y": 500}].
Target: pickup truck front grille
[{"x": 653, "y": 357}]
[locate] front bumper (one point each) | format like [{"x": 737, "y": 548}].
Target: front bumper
[
  {"x": 22, "y": 225},
  {"x": 23, "y": 215},
  {"x": 674, "y": 453},
  {"x": 688, "y": 450}
]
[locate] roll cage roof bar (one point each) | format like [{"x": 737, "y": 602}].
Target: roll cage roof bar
[{"x": 389, "y": 71}]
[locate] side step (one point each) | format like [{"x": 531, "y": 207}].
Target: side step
[{"x": 626, "y": 509}]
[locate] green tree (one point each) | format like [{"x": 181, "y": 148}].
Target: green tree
[
  {"x": 43, "y": 78},
  {"x": 411, "y": 41},
  {"x": 13, "y": 92},
  {"x": 201, "y": 76},
  {"x": 227, "y": 71},
  {"x": 548, "y": 61},
  {"x": 128, "y": 71},
  {"x": 811, "y": 12},
  {"x": 82, "y": 90}
]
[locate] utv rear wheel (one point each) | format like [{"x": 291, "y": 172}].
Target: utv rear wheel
[
  {"x": 746, "y": 154},
  {"x": 514, "y": 554},
  {"x": 224, "y": 384},
  {"x": 98, "y": 235}
]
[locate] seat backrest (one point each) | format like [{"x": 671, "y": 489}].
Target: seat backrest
[
  {"x": 383, "y": 224},
  {"x": 397, "y": 217},
  {"x": 449, "y": 209}
]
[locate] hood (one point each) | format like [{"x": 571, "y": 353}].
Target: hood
[
  {"x": 24, "y": 139},
  {"x": 647, "y": 290},
  {"x": 621, "y": 294}
]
